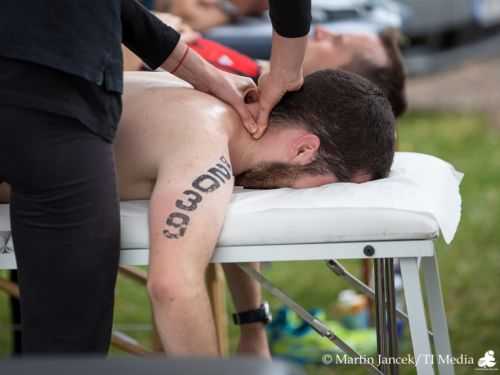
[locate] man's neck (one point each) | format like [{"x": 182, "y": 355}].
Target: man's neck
[{"x": 243, "y": 149}]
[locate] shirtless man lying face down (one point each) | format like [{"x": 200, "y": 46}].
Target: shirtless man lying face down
[{"x": 181, "y": 149}]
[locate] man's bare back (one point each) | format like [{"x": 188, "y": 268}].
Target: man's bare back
[{"x": 163, "y": 119}]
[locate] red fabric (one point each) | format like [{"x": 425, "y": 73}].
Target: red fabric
[{"x": 226, "y": 58}]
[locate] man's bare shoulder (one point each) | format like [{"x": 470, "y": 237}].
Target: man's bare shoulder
[
  {"x": 174, "y": 102},
  {"x": 167, "y": 125},
  {"x": 152, "y": 79},
  {"x": 165, "y": 85}
]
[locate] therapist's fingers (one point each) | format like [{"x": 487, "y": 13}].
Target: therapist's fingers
[
  {"x": 230, "y": 88},
  {"x": 252, "y": 102},
  {"x": 246, "y": 117},
  {"x": 246, "y": 107},
  {"x": 271, "y": 89},
  {"x": 239, "y": 90},
  {"x": 270, "y": 93},
  {"x": 251, "y": 95}
]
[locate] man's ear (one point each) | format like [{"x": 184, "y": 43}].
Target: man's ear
[{"x": 305, "y": 149}]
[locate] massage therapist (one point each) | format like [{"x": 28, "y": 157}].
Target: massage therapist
[{"x": 60, "y": 103}]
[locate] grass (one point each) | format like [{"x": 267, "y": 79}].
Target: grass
[{"x": 468, "y": 267}]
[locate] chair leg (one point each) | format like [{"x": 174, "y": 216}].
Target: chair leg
[
  {"x": 416, "y": 314},
  {"x": 385, "y": 302},
  {"x": 380, "y": 321},
  {"x": 437, "y": 315},
  {"x": 392, "y": 337},
  {"x": 216, "y": 292}
]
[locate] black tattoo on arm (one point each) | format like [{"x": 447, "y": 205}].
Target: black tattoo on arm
[
  {"x": 193, "y": 198},
  {"x": 213, "y": 179}
]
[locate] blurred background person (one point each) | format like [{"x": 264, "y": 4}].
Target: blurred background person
[{"x": 376, "y": 57}]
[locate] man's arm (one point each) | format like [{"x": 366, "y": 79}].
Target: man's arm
[{"x": 187, "y": 211}]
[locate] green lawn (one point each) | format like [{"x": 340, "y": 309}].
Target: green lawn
[{"x": 468, "y": 266}]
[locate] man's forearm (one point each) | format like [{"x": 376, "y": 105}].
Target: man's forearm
[
  {"x": 246, "y": 294},
  {"x": 185, "y": 324},
  {"x": 245, "y": 291}
]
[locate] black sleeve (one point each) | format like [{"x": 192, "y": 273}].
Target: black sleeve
[
  {"x": 145, "y": 35},
  {"x": 290, "y": 18}
]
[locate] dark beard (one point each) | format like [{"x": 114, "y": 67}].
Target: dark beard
[{"x": 269, "y": 176}]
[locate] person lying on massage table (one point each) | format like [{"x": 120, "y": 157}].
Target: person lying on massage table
[
  {"x": 185, "y": 156},
  {"x": 377, "y": 57},
  {"x": 202, "y": 15}
]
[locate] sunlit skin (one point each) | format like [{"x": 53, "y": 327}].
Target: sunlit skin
[{"x": 169, "y": 136}]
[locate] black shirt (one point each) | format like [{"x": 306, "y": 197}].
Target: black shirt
[
  {"x": 290, "y": 18},
  {"x": 64, "y": 56}
]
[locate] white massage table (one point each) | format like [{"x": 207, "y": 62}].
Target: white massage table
[{"x": 394, "y": 218}]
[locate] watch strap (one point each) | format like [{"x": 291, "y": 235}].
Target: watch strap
[{"x": 260, "y": 315}]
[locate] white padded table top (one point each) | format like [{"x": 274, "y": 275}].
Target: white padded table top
[{"x": 420, "y": 198}]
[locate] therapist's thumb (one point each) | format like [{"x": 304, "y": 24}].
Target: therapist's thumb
[
  {"x": 246, "y": 117},
  {"x": 262, "y": 121},
  {"x": 270, "y": 93},
  {"x": 268, "y": 99}
]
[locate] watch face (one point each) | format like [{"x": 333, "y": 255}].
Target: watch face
[{"x": 267, "y": 312}]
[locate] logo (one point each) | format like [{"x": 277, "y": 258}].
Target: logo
[
  {"x": 487, "y": 362},
  {"x": 226, "y": 60},
  {"x": 327, "y": 359}
]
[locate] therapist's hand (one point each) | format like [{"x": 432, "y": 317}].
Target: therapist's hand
[
  {"x": 238, "y": 92},
  {"x": 233, "y": 89},
  {"x": 272, "y": 87},
  {"x": 286, "y": 74}
]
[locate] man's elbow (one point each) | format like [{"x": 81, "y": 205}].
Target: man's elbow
[{"x": 164, "y": 290}]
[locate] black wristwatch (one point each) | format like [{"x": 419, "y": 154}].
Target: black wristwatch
[{"x": 260, "y": 315}]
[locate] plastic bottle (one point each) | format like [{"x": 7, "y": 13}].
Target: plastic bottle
[{"x": 352, "y": 309}]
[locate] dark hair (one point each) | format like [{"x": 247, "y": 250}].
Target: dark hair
[
  {"x": 390, "y": 78},
  {"x": 351, "y": 117}
]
